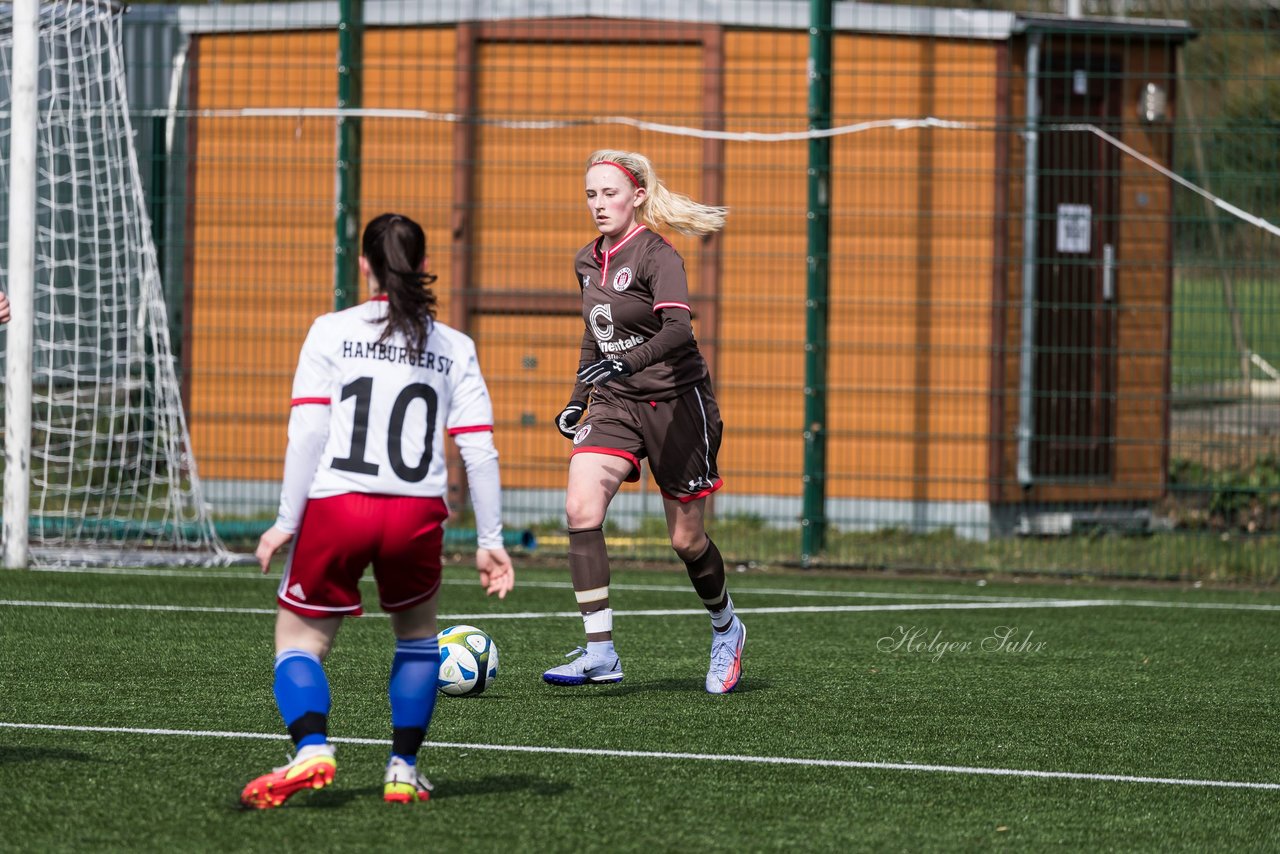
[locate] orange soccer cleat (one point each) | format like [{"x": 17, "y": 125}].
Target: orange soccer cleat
[{"x": 312, "y": 768}]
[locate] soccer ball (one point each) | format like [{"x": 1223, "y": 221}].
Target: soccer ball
[{"x": 468, "y": 661}]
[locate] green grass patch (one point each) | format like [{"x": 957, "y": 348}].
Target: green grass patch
[
  {"x": 1204, "y": 350},
  {"x": 1205, "y": 553},
  {"x": 1149, "y": 684}
]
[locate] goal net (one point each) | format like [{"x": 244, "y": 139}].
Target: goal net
[{"x": 112, "y": 476}]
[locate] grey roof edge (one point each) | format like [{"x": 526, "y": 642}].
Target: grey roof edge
[
  {"x": 1045, "y": 23},
  {"x": 781, "y": 14},
  {"x": 978, "y": 24}
]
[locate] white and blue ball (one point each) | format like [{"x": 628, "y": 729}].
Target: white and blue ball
[{"x": 468, "y": 661}]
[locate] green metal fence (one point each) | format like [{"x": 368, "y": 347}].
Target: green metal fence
[{"x": 998, "y": 290}]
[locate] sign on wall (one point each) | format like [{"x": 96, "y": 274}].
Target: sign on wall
[{"x": 1075, "y": 225}]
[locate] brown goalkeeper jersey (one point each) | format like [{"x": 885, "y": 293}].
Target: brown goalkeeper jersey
[{"x": 635, "y": 304}]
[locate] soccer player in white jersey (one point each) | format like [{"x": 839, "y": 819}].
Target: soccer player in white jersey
[
  {"x": 376, "y": 389},
  {"x": 646, "y": 392}
]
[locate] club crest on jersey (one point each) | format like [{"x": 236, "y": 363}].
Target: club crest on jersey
[
  {"x": 622, "y": 280},
  {"x": 586, "y": 282},
  {"x": 582, "y": 434}
]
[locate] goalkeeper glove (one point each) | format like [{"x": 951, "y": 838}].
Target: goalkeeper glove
[
  {"x": 603, "y": 371},
  {"x": 568, "y": 419}
]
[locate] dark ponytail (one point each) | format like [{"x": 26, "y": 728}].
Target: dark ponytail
[{"x": 395, "y": 247}]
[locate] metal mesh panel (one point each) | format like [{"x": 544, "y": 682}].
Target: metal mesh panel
[{"x": 1051, "y": 324}]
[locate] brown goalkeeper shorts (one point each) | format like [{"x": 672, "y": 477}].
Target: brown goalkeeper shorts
[{"x": 680, "y": 437}]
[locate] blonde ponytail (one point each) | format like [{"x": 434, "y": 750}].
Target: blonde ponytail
[{"x": 661, "y": 206}]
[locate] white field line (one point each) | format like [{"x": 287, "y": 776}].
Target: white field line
[
  {"x": 695, "y": 757},
  {"x": 551, "y": 585},
  {"x": 125, "y": 606},
  {"x": 684, "y": 590},
  {"x": 536, "y": 615},
  {"x": 1002, "y": 604}
]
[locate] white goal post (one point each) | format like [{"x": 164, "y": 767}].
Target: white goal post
[{"x": 98, "y": 462}]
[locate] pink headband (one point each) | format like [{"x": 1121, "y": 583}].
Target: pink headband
[{"x": 625, "y": 171}]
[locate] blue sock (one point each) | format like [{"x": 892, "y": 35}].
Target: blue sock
[
  {"x": 412, "y": 690},
  {"x": 302, "y": 693}
]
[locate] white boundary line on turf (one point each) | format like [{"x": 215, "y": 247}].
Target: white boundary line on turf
[
  {"x": 684, "y": 590},
  {"x": 118, "y": 606},
  {"x": 674, "y": 612},
  {"x": 769, "y": 591},
  {"x": 534, "y": 615},
  {"x": 550, "y": 585},
  {"x": 699, "y": 757}
]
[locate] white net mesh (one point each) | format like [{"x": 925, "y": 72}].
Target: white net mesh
[{"x": 113, "y": 478}]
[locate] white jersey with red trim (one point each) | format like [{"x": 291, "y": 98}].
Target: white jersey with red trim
[{"x": 389, "y": 406}]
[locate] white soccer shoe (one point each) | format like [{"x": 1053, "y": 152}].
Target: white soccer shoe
[
  {"x": 585, "y": 668},
  {"x": 403, "y": 784},
  {"x": 726, "y": 658}
]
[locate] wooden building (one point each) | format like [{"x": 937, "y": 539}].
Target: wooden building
[{"x": 953, "y": 401}]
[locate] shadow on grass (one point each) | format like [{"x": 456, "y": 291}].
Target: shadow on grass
[
  {"x": 691, "y": 685},
  {"x": 493, "y": 784},
  {"x": 496, "y": 784},
  {"x": 18, "y": 753}
]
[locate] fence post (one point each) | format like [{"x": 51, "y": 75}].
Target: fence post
[
  {"x": 350, "y": 96},
  {"x": 813, "y": 520}
]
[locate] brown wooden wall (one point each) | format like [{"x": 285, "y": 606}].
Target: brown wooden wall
[
  {"x": 911, "y": 296},
  {"x": 529, "y": 210},
  {"x": 912, "y": 243},
  {"x": 261, "y": 217}
]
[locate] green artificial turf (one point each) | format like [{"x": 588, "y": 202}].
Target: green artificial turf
[{"x": 1156, "y": 682}]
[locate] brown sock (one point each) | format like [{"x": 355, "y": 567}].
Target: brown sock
[
  {"x": 706, "y": 571},
  {"x": 589, "y": 570}
]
